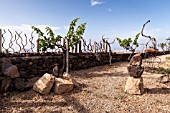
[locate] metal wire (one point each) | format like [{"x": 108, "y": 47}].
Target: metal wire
[{"x": 17, "y": 40}]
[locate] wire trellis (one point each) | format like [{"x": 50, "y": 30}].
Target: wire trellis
[{"x": 19, "y": 42}]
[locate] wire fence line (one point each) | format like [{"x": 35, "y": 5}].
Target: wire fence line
[{"x": 19, "y": 42}]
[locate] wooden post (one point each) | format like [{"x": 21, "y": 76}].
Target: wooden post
[
  {"x": 0, "y": 40},
  {"x": 67, "y": 56},
  {"x": 90, "y": 48},
  {"x": 76, "y": 48},
  {"x": 94, "y": 48},
  {"x": 64, "y": 42},
  {"x": 38, "y": 50},
  {"x": 80, "y": 46},
  {"x": 103, "y": 46},
  {"x": 106, "y": 46}
]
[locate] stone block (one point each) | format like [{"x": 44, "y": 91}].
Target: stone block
[
  {"x": 62, "y": 85},
  {"x": 134, "y": 85},
  {"x": 44, "y": 84}
]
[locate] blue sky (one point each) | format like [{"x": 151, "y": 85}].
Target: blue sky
[{"x": 114, "y": 18}]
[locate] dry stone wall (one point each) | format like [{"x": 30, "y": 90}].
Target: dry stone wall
[
  {"x": 37, "y": 65},
  {"x": 31, "y": 66}
]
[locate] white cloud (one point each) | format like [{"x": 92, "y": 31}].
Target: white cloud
[
  {"x": 43, "y": 27},
  {"x": 96, "y": 2},
  {"x": 109, "y": 9},
  {"x": 66, "y": 28}
]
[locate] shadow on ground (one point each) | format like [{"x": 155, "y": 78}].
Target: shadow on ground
[
  {"x": 19, "y": 100},
  {"x": 99, "y": 71},
  {"x": 158, "y": 90}
]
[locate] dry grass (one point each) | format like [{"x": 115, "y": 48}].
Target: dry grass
[{"x": 101, "y": 90}]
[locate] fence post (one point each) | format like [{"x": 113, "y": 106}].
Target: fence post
[
  {"x": 94, "y": 48},
  {"x": 75, "y": 49},
  {"x": 0, "y": 40},
  {"x": 67, "y": 55},
  {"x": 80, "y": 51},
  {"x": 38, "y": 46},
  {"x": 106, "y": 46}
]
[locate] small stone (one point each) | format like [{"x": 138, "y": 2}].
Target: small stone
[
  {"x": 164, "y": 79},
  {"x": 134, "y": 85}
]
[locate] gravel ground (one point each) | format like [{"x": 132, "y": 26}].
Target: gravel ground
[{"x": 100, "y": 90}]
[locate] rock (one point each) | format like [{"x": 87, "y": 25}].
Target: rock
[
  {"x": 6, "y": 82},
  {"x": 20, "y": 84},
  {"x": 68, "y": 77},
  {"x": 6, "y": 60},
  {"x": 42, "y": 72},
  {"x": 22, "y": 65},
  {"x": 164, "y": 79},
  {"x": 44, "y": 84},
  {"x": 136, "y": 60},
  {"x": 23, "y": 74},
  {"x": 9, "y": 69},
  {"x": 134, "y": 85},
  {"x": 1, "y": 74},
  {"x": 62, "y": 86},
  {"x": 34, "y": 71},
  {"x": 135, "y": 71},
  {"x": 56, "y": 70},
  {"x": 31, "y": 82}
]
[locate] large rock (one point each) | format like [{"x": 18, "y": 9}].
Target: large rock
[
  {"x": 20, "y": 84},
  {"x": 6, "y": 82},
  {"x": 135, "y": 71},
  {"x": 44, "y": 84},
  {"x": 31, "y": 82},
  {"x": 134, "y": 85},
  {"x": 9, "y": 69},
  {"x": 62, "y": 85}
]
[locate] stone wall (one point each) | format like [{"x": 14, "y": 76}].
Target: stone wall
[
  {"x": 36, "y": 65},
  {"x": 30, "y": 65}
]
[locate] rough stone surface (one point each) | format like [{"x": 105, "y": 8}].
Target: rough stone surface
[
  {"x": 136, "y": 60},
  {"x": 62, "y": 86},
  {"x": 44, "y": 84},
  {"x": 20, "y": 84},
  {"x": 135, "y": 71},
  {"x": 164, "y": 79},
  {"x": 6, "y": 82},
  {"x": 31, "y": 82},
  {"x": 67, "y": 76},
  {"x": 134, "y": 85},
  {"x": 9, "y": 70}
]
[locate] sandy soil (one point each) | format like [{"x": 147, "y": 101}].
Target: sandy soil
[{"x": 101, "y": 90}]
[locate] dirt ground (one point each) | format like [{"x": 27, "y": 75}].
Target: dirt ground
[{"x": 101, "y": 90}]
